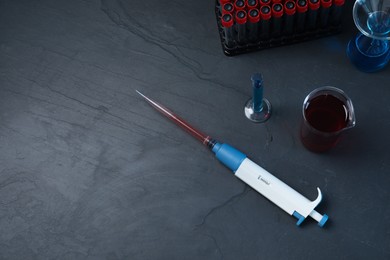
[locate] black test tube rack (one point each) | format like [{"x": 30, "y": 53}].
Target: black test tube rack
[{"x": 252, "y": 25}]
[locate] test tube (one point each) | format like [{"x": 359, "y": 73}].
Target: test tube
[
  {"x": 289, "y": 12},
  {"x": 277, "y": 13},
  {"x": 301, "y": 7},
  {"x": 239, "y": 5},
  {"x": 265, "y": 14},
  {"x": 220, "y": 5},
  {"x": 221, "y": 2},
  {"x": 253, "y": 25},
  {"x": 336, "y": 12},
  {"x": 264, "y": 2},
  {"x": 251, "y": 4},
  {"x": 227, "y": 8},
  {"x": 241, "y": 19},
  {"x": 312, "y": 14},
  {"x": 325, "y": 8},
  {"x": 227, "y": 25}
]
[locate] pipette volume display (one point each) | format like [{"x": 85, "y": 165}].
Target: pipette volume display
[{"x": 252, "y": 174}]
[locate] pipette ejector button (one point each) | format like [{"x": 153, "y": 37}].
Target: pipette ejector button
[{"x": 323, "y": 220}]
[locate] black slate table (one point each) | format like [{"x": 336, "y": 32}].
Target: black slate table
[{"x": 88, "y": 170}]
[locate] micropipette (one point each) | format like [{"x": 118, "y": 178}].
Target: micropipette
[{"x": 252, "y": 174}]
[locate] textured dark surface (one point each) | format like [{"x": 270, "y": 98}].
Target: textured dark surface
[{"x": 88, "y": 170}]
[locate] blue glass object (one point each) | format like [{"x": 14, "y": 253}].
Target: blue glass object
[
  {"x": 257, "y": 85},
  {"x": 370, "y": 50},
  {"x": 257, "y": 109},
  {"x": 368, "y": 54}
]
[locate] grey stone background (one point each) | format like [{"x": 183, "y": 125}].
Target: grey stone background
[{"x": 88, "y": 170}]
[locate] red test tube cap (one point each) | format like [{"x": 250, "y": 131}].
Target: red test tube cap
[
  {"x": 289, "y": 7},
  {"x": 301, "y": 6},
  {"x": 264, "y": 2},
  {"x": 314, "y": 4},
  {"x": 239, "y": 5},
  {"x": 326, "y": 3},
  {"x": 251, "y": 4},
  {"x": 224, "y": 1},
  {"x": 338, "y": 2},
  {"x": 227, "y": 20},
  {"x": 241, "y": 17},
  {"x": 277, "y": 10},
  {"x": 253, "y": 15},
  {"x": 227, "y": 8},
  {"x": 265, "y": 12}
]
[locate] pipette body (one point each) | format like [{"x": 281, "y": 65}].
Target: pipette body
[{"x": 252, "y": 174}]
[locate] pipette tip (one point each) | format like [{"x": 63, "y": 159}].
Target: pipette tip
[
  {"x": 142, "y": 95},
  {"x": 205, "y": 139}
]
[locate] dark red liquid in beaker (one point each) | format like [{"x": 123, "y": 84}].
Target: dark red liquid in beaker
[
  {"x": 325, "y": 116},
  {"x": 327, "y": 113}
]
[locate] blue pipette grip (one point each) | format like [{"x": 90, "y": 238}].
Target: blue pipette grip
[
  {"x": 257, "y": 84},
  {"x": 228, "y": 155}
]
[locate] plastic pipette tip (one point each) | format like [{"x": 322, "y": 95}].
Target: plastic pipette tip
[
  {"x": 142, "y": 95},
  {"x": 205, "y": 139}
]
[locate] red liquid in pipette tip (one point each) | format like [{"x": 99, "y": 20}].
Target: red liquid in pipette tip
[{"x": 205, "y": 139}]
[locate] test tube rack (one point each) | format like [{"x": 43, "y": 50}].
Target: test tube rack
[{"x": 252, "y": 25}]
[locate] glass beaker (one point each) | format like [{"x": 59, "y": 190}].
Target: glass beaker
[
  {"x": 327, "y": 112},
  {"x": 370, "y": 50}
]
